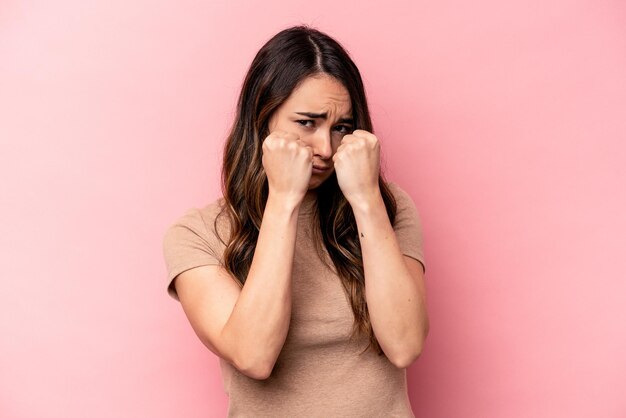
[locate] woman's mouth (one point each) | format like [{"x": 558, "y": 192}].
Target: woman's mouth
[{"x": 320, "y": 169}]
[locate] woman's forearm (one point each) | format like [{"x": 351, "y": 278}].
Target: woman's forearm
[
  {"x": 259, "y": 322},
  {"x": 395, "y": 299}
]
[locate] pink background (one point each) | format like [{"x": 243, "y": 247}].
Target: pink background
[{"x": 505, "y": 121}]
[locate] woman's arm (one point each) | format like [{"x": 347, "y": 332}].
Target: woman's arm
[
  {"x": 394, "y": 285},
  {"x": 247, "y": 326},
  {"x": 258, "y": 324}
]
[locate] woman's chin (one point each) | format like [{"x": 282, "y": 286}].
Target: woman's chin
[{"x": 315, "y": 182}]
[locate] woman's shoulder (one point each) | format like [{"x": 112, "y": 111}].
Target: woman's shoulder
[
  {"x": 202, "y": 217},
  {"x": 209, "y": 211},
  {"x": 399, "y": 193},
  {"x": 405, "y": 204}
]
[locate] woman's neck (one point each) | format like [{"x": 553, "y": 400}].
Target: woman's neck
[{"x": 309, "y": 200}]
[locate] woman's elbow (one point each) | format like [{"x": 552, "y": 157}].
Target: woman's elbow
[
  {"x": 402, "y": 362},
  {"x": 259, "y": 370},
  {"x": 412, "y": 352}
]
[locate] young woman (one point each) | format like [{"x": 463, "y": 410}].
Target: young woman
[{"x": 306, "y": 277}]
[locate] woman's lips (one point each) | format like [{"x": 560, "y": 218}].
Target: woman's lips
[{"x": 317, "y": 169}]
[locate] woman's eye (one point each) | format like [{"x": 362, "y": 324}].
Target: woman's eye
[
  {"x": 344, "y": 129},
  {"x": 305, "y": 121}
]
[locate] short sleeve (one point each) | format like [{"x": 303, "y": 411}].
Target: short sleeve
[
  {"x": 407, "y": 225},
  {"x": 187, "y": 243}
]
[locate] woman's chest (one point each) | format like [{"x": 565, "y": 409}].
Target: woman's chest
[{"x": 321, "y": 313}]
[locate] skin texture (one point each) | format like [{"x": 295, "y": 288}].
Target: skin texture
[{"x": 248, "y": 326}]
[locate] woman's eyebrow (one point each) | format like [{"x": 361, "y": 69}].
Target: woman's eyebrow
[{"x": 324, "y": 116}]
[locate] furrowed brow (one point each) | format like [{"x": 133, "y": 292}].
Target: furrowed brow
[{"x": 324, "y": 116}]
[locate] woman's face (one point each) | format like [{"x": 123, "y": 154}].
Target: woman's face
[{"x": 320, "y": 112}]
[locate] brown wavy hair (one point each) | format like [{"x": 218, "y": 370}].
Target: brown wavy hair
[{"x": 279, "y": 66}]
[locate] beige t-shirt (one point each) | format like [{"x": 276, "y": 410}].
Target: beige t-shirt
[{"x": 318, "y": 373}]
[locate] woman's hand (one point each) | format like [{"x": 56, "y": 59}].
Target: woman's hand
[
  {"x": 288, "y": 164},
  {"x": 357, "y": 164}
]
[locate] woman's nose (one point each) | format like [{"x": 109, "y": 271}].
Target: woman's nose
[{"x": 322, "y": 144}]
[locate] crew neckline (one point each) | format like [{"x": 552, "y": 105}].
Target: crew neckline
[{"x": 308, "y": 202}]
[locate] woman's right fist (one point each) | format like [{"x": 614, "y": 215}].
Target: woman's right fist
[{"x": 288, "y": 164}]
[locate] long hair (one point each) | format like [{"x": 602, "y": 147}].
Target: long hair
[{"x": 279, "y": 66}]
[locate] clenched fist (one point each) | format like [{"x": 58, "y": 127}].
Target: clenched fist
[
  {"x": 357, "y": 164},
  {"x": 287, "y": 162}
]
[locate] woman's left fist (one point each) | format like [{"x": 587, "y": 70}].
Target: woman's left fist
[{"x": 357, "y": 165}]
